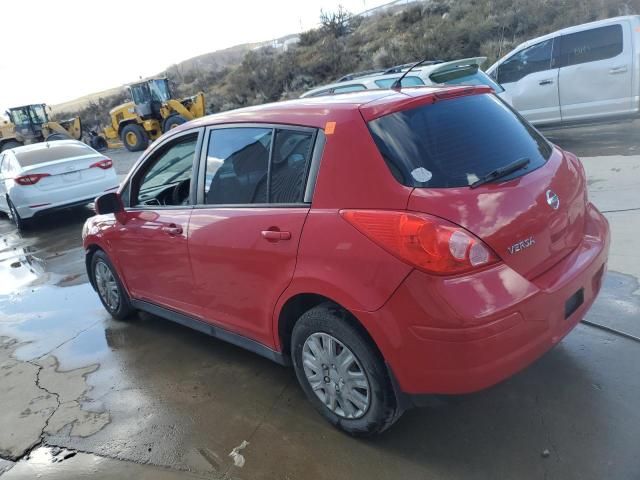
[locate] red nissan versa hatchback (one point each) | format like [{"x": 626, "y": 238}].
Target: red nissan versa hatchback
[{"x": 389, "y": 244}]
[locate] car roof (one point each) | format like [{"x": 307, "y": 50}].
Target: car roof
[
  {"x": 317, "y": 111},
  {"x": 423, "y": 72}
]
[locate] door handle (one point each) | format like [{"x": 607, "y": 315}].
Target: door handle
[
  {"x": 546, "y": 81},
  {"x": 618, "y": 69},
  {"x": 275, "y": 235},
  {"x": 172, "y": 229}
]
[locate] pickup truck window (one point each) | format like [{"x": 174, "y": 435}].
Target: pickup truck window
[
  {"x": 591, "y": 45},
  {"x": 535, "y": 58}
]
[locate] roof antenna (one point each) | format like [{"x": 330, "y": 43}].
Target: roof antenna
[{"x": 398, "y": 83}]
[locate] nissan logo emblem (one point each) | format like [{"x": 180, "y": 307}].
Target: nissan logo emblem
[{"x": 553, "y": 200}]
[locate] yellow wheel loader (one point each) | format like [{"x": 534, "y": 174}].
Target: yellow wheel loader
[
  {"x": 151, "y": 112},
  {"x": 30, "y": 124}
]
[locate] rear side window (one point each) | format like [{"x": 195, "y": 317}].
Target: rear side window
[
  {"x": 406, "y": 82},
  {"x": 590, "y": 45},
  {"x": 452, "y": 143},
  {"x": 470, "y": 75},
  {"x": 248, "y": 165},
  {"x": 535, "y": 58},
  {"x": 237, "y": 165}
]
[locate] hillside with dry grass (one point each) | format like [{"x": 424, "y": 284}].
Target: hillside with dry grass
[{"x": 435, "y": 29}]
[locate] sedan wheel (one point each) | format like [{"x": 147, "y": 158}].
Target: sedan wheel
[
  {"x": 336, "y": 376},
  {"x": 107, "y": 286}
]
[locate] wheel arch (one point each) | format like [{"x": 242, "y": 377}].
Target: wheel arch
[{"x": 295, "y": 306}]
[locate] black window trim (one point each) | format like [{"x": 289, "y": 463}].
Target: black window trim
[
  {"x": 143, "y": 161},
  {"x": 317, "y": 141}
]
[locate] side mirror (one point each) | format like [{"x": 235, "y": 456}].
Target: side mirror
[{"x": 109, "y": 203}]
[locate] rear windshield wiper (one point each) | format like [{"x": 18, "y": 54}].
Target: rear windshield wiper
[{"x": 501, "y": 172}]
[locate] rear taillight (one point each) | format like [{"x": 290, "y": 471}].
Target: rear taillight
[
  {"x": 105, "y": 164},
  {"x": 30, "y": 179},
  {"x": 428, "y": 243}
]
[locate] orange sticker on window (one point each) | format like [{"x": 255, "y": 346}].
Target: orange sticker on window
[{"x": 329, "y": 128}]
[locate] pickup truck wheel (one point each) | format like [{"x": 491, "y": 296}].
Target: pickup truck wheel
[{"x": 341, "y": 372}]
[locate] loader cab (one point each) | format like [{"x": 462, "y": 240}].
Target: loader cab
[
  {"x": 149, "y": 96},
  {"x": 29, "y": 120}
]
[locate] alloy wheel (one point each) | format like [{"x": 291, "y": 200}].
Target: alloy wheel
[
  {"x": 336, "y": 376},
  {"x": 107, "y": 286}
]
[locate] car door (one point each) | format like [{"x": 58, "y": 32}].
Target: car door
[
  {"x": 532, "y": 83},
  {"x": 596, "y": 72},
  {"x": 244, "y": 232},
  {"x": 151, "y": 243}
]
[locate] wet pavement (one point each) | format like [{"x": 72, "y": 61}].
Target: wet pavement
[{"x": 85, "y": 396}]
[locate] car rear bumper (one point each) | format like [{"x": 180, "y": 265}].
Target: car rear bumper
[
  {"x": 30, "y": 202},
  {"x": 463, "y": 334}
]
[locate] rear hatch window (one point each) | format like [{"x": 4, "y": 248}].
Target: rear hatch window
[
  {"x": 467, "y": 75},
  {"x": 52, "y": 152},
  {"x": 454, "y": 142}
]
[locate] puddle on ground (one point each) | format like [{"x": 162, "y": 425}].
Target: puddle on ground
[{"x": 54, "y": 463}]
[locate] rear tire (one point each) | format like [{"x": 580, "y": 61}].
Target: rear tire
[
  {"x": 20, "y": 223},
  {"x": 10, "y": 144},
  {"x": 112, "y": 294},
  {"x": 172, "y": 122},
  {"x": 134, "y": 137},
  {"x": 353, "y": 393}
]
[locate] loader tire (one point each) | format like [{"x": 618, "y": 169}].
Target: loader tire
[
  {"x": 134, "y": 137},
  {"x": 98, "y": 143},
  {"x": 57, "y": 136},
  {"x": 9, "y": 144},
  {"x": 172, "y": 122}
]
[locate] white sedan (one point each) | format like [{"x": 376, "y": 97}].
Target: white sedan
[{"x": 51, "y": 175}]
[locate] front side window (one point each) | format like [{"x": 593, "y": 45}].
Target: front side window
[
  {"x": 166, "y": 179},
  {"x": 255, "y": 165},
  {"x": 453, "y": 143},
  {"x": 38, "y": 114},
  {"x": 591, "y": 45},
  {"x": 535, "y": 58},
  {"x": 409, "y": 81}
]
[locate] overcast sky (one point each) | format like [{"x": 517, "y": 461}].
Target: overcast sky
[{"x": 57, "y": 51}]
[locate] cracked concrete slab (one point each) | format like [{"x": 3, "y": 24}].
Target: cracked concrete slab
[
  {"x": 26, "y": 407},
  {"x": 38, "y": 398}
]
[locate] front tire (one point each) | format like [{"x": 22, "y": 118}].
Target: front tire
[
  {"x": 341, "y": 372},
  {"x": 134, "y": 137},
  {"x": 57, "y": 136},
  {"x": 172, "y": 122},
  {"x": 10, "y": 144},
  {"x": 112, "y": 294}
]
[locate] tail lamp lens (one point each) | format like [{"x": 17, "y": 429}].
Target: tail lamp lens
[
  {"x": 30, "y": 179},
  {"x": 428, "y": 243},
  {"x": 105, "y": 164}
]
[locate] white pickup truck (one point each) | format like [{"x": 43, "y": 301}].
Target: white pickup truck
[{"x": 580, "y": 74}]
